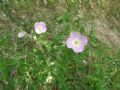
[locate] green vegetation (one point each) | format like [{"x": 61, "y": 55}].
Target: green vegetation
[{"x": 26, "y": 63}]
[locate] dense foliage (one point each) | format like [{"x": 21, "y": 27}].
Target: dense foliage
[{"x": 27, "y": 63}]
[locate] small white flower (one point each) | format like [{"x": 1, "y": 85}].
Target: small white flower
[
  {"x": 49, "y": 79},
  {"x": 21, "y": 34}
]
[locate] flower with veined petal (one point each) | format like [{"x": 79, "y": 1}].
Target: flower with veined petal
[
  {"x": 40, "y": 27},
  {"x": 76, "y": 41}
]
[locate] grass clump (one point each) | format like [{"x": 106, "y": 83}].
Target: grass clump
[{"x": 27, "y": 63}]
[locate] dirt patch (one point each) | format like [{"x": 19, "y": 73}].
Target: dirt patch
[{"x": 103, "y": 32}]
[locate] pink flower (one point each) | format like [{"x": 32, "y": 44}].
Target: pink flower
[
  {"x": 76, "y": 41},
  {"x": 40, "y": 27}
]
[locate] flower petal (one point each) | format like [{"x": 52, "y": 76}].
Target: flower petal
[
  {"x": 44, "y": 29},
  {"x": 78, "y": 49},
  {"x": 43, "y": 24},
  {"x": 38, "y": 31},
  {"x": 75, "y": 34},
  {"x": 69, "y": 43},
  {"x": 36, "y": 25},
  {"x": 84, "y": 40}
]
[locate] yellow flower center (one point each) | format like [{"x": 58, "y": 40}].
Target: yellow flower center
[
  {"x": 76, "y": 42},
  {"x": 40, "y": 28}
]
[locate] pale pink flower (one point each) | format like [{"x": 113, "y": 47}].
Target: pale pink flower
[
  {"x": 40, "y": 27},
  {"x": 76, "y": 41}
]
